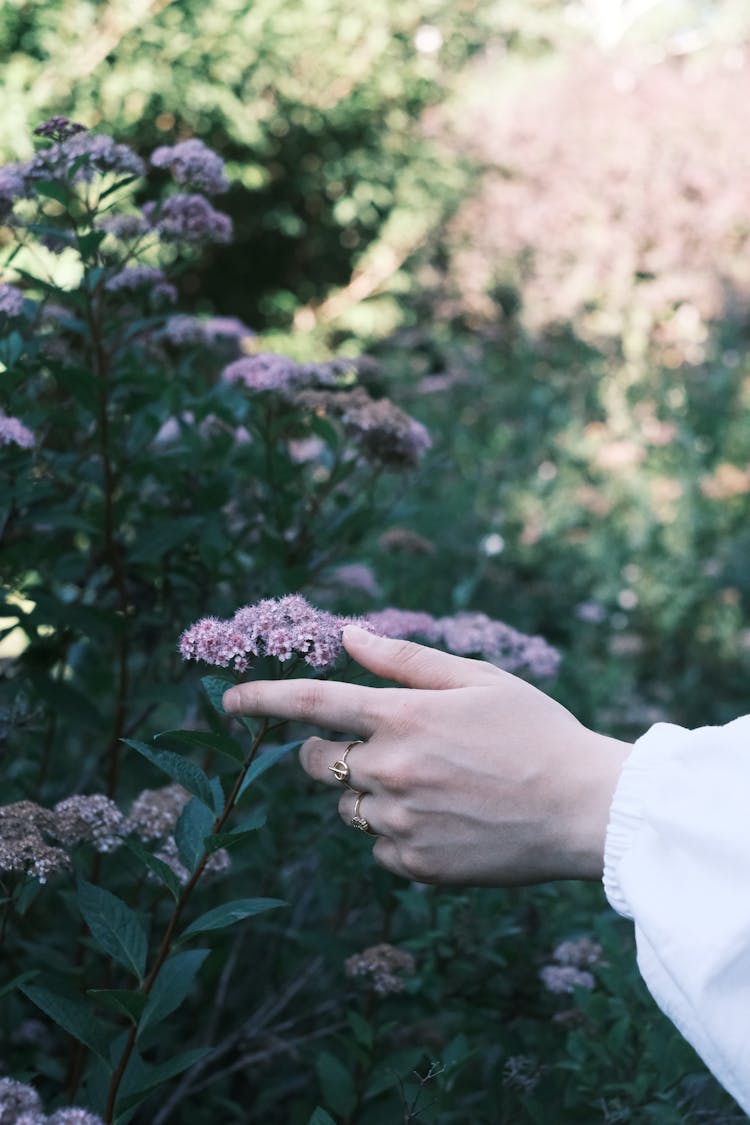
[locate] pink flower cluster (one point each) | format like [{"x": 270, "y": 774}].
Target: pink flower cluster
[
  {"x": 267, "y": 371},
  {"x": 21, "y": 1105},
  {"x": 192, "y": 164},
  {"x": 83, "y": 155},
  {"x": 13, "y": 432},
  {"x": 281, "y": 627},
  {"x": 134, "y": 279},
  {"x": 471, "y": 634},
  {"x": 290, "y": 626}
]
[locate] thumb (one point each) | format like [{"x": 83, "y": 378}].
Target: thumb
[{"x": 414, "y": 665}]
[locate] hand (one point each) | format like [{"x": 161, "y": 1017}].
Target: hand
[{"x": 470, "y": 774}]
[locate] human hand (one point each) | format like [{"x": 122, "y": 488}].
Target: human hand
[{"x": 469, "y": 774}]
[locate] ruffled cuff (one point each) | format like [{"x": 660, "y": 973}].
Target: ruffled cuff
[{"x": 627, "y": 808}]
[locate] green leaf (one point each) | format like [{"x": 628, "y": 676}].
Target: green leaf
[
  {"x": 72, "y": 1015},
  {"x": 50, "y": 189},
  {"x": 229, "y": 913},
  {"x": 161, "y": 869},
  {"x": 116, "y": 929},
  {"x": 165, "y": 536},
  {"x": 89, "y": 243},
  {"x": 172, "y": 986},
  {"x": 182, "y": 770},
  {"x": 155, "y": 1075},
  {"x": 16, "y": 982},
  {"x": 265, "y": 761},
  {"x": 238, "y": 835},
  {"x": 210, "y": 739},
  {"x": 214, "y": 687},
  {"x": 320, "y": 1117},
  {"x": 336, "y": 1083},
  {"x": 218, "y": 794},
  {"x": 122, "y": 1000},
  {"x": 193, "y": 825}
]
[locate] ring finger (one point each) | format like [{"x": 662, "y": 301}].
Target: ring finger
[{"x": 362, "y": 810}]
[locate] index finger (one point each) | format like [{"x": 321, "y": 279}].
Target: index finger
[{"x": 327, "y": 703}]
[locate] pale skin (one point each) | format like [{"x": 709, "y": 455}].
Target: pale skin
[{"x": 471, "y": 775}]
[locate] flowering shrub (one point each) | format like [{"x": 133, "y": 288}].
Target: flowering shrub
[{"x": 157, "y": 464}]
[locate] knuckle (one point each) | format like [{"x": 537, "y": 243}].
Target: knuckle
[
  {"x": 310, "y": 754},
  {"x": 416, "y": 864},
  {"x": 400, "y": 821},
  {"x": 309, "y": 697},
  {"x": 393, "y": 772}
]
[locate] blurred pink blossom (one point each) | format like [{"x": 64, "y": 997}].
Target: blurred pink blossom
[{"x": 192, "y": 164}]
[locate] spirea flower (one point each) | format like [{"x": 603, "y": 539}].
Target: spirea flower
[
  {"x": 188, "y": 218},
  {"x": 381, "y": 431},
  {"x": 263, "y": 372},
  {"x": 471, "y": 634},
  {"x": 24, "y": 827},
  {"x": 73, "y": 1115},
  {"x": 11, "y": 301},
  {"x": 125, "y": 228},
  {"x": 15, "y": 1099},
  {"x": 580, "y": 952},
  {"x": 383, "y": 966},
  {"x": 279, "y": 627},
  {"x": 84, "y": 155},
  {"x": 94, "y": 820},
  {"x": 133, "y": 279},
  {"x": 565, "y": 978},
  {"x": 184, "y": 331},
  {"x": 154, "y": 812},
  {"x": 357, "y": 577},
  {"x": 192, "y": 164},
  {"x": 13, "y": 432}
]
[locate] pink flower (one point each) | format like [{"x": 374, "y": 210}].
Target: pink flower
[
  {"x": 138, "y": 278},
  {"x": 83, "y": 155},
  {"x": 192, "y": 164},
  {"x": 280, "y": 627},
  {"x": 13, "y": 431},
  {"x": 565, "y": 978},
  {"x": 263, "y": 372}
]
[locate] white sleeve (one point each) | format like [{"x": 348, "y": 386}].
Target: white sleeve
[{"x": 677, "y": 861}]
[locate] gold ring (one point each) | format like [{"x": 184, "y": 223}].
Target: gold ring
[
  {"x": 359, "y": 821},
  {"x": 340, "y": 768}
]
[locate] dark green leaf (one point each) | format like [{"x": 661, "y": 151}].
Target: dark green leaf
[
  {"x": 164, "y": 537},
  {"x": 162, "y": 870},
  {"x": 155, "y": 1075},
  {"x": 229, "y": 913},
  {"x": 214, "y": 687},
  {"x": 172, "y": 986},
  {"x": 72, "y": 1014},
  {"x": 265, "y": 761},
  {"x": 181, "y": 770},
  {"x": 336, "y": 1083},
  {"x": 320, "y": 1117},
  {"x": 29, "y": 974},
  {"x": 193, "y": 825},
  {"x": 218, "y": 794},
  {"x": 89, "y": 243},
  {"x": 211, "y": 739},
  {"x": 116, "y": 929},
  {"x": 237, "y": 835},
  {"x": 50, "y": 189},
  {"x": 121, "y": 999}
]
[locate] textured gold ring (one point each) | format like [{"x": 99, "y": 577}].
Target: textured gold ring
[
  {"x": 359, "y": 821},
  {"x": 340, "y": 768}
]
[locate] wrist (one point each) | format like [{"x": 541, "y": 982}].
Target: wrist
[{"x": 601, "y": 762}]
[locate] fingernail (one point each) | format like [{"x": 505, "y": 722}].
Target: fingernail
[
  {"x": 357, "y": 633},
  {"x": 229, "y": 700}
]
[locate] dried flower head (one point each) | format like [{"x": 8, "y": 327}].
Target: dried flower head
[
  {"x": 382, "y": 965},
  {"x": 188, "y": 218},
  {"x": 403, "y": 539},
  {"x": 13, "y": 432},
  {"x": 11, "y": 301},
  {"x": 59, "y": 128},
  {"x": 218, "y": 863},
  {"x": 154, "y": 812},
  {"x": 381, "y": 431},
  {"x": 192, "y": 164},
  {"x": 92, "y": 820},
  {"x": 24, "y": 827},
  {"x": 15, "y": 1099},
  {"x": 279, "y": 627}
]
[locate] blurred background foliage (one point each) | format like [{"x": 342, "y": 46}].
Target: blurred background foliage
[{"x": 536, "y": 216}]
